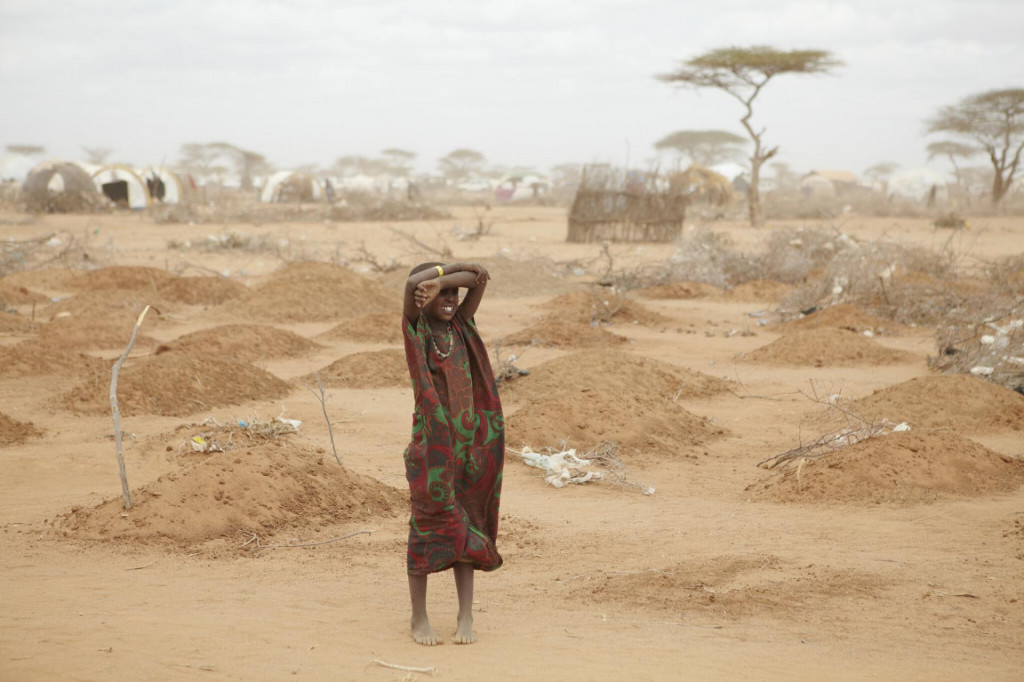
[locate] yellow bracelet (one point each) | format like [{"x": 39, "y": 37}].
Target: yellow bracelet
[{"x": 440, "y": 271}]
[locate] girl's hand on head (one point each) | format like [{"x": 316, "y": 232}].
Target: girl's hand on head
[{"x": 426, "y": 291}]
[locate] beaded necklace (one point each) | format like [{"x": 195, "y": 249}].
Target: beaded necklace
[{"x": 451, "y": 345}]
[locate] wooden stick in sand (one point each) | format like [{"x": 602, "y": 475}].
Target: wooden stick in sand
[{"x": 117, "y": 411}]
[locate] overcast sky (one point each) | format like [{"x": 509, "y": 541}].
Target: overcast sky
[{"x": 526, "y": 82}]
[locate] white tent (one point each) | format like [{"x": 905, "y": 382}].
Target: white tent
[
  {"x": 16, "y": 167},
  {"x": 289, "y": 186},
  {"x": 163, "y": 184},
  {"x": 120, "y": 183},
  {"x": 919, "y": 184},
  {"x": 522, "y": 186}
]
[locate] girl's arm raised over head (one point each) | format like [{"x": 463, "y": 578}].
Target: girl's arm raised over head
[{"x": 423, "y": 286}]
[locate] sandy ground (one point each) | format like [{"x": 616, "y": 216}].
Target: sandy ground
[{"x": 716, "y": 576}]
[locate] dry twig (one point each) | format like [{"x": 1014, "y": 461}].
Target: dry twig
[
  {"x": 322, "y": 397},
  {"x": 116, "y": 410}
]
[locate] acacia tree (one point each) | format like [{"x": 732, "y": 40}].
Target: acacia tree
[
  {"x": 952, "y": 150},
  {"x": 742, "y": 72},
  {"x": 994, "y": 121},
  {"x": 26, "y": 149},
  {"x": 704, "y": 147},
  {"x": 399, "y": 160},
  {"x": 461, "y": 163},
  {"x": 881, "y": 172},
  {"x": 97, "y": 155}
]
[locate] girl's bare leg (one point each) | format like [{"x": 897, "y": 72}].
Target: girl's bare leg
[
  {"x": 422, "y": 631},
  {"x": 464, "y": 586}
]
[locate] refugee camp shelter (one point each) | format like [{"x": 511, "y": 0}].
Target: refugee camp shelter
[
  {"x": 59, "y": 187},
  {"x": 291, "y": 187},
  {"x": 829, "y": 183},
  {"x": 521, "y": 186},
  {"x": 122, "y": 186},
  {"x": 919, "y": 184},
  {"x": 164, "y": 185},
  {"x": 16, "y": 167},
  {"x": 625, "y": 206},
  {"x": 702, "y": 185}
]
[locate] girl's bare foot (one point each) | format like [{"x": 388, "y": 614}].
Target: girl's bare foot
[
  {"x": 423, "y": 633},
  {"x": 464, "y": 633}
]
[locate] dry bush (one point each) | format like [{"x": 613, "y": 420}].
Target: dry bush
[
  {"x": 364, "y": 206},
  {"x": 65, "y": 249},
  {"x": 909, "y": 284},
  {"x": 984, "y": 338}
]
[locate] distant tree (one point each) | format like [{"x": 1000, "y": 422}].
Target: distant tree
[
  {"x": 399, "y": 161},
  {"x": 881, "y": 172},
  {"x": 993, "y": 120},
  {"x": 96, "y": 155},
  {"x": 743, "y": 72},
  {"x": 247, "y": 163},
  {"x": 952, "y": 150},
  {"x": 360, "y": 165},
  {"x": 26, "y": 149},
  {"x": 461, "y": 164},
  {"x": 200, "y": 159},
  {"x": 785, "y": 177},
  {"x": 704, "y": 147}
]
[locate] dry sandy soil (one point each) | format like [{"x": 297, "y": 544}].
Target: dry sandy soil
[{"x": 900, "y": 558}]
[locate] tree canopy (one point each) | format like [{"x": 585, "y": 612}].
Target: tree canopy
[
  {"x": 704, "y": 147},
  {"x": 742, "y": 72},
  {"x": 994, "y": 121},
  {"x": 461, "y": 163}
]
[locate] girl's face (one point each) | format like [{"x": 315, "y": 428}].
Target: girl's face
[{"x": 444, "y": 305}]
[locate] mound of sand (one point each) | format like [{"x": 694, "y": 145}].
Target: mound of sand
[
  {"x": 613, "y": 372},
  {"x": 14, "y": 432},
  {"x": 69, "y": 333},
  {"x": 11, "y": 294},
  {"x": 582, "y": 306},
  {"x": 114, "y": 307},
  {"x": 175, "y": 384},
  {"x": 680, "y": 290},
  {"x": 731, "y": 586},
  {"x": 849, "y": 317},
  {"x": 372, "y": 369},
  {"x": 128, "y": 278},
  {"x": 30, "y": 358},
  {"x": 585, "y": 398},
  {"x": 958, "y": 401},
  {"x": 13, "y": 323},
  {"x": 202, "y": 290},
  {"x": 368, "y": 328},
  {"x": 564, "y": 334},
  {"x": 315, "y": 292},
  {"x": 910, "y": 467},
  {"x": 824, "y": 347},
  {"x": 265, "y": 489},
  {"x": 757, "y": 291},
  {"x": 242, "y": 342}
]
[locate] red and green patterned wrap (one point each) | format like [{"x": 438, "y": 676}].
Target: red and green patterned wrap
[{"x": 455, "y": 457}]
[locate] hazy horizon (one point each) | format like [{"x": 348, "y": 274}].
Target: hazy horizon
[{"x": 527, "y": 84}]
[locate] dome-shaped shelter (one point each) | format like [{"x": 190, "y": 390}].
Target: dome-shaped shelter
[
  {"x": 164, "y": 185},
  {"x": 919, "y": 184},
  {"x": 291, "y": 187},
  {"x": 59, "y": 187},
  {"x": 700, "y": 184},
  {"x": 122, "y": 185}
]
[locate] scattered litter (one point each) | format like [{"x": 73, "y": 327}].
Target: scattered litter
[{"x": 565, "y": 466}]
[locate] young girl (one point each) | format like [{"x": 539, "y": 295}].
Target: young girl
[{"x": 455, "y": 457}]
